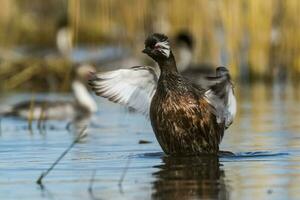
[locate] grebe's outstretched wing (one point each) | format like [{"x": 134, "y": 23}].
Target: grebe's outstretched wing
[
  {"x": 220, "y": 94},
  {"x": 133, "y": 87}
]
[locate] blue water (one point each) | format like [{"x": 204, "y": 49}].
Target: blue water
[{"x": 264, "y": 138}]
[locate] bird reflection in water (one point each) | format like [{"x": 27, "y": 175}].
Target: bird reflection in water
[{"x": 190, "y": 178}]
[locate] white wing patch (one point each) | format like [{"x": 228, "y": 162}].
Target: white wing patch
[
  {"x": 217, "y": 103},
  {"x": 231, "y": 106},
  {"x": 133, "y": 87},
  {"x": 224, "y": 109}
]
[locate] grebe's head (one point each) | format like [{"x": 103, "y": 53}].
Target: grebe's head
[
  {"x": 184, "y": 39},
  {"x": 157, "y": 46},
  {"x": 83, "y": 98},
  {"x": 184, "y": 46},
  {"x": 83, "y": 71},
  {"x": 220, "y": 71}
]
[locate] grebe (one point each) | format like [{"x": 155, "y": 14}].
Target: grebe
[
  {"x": 84, "y": 103},
  {"x": 184, "y": 47},
  {"x": 186, "y": 119}
]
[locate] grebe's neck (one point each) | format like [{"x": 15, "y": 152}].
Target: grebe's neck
[
  {"x": 185, "y": 56},
  {"x": 83, "y": 97},
  {"x": 167, "y": 64},
  {"x": 64, "y": 41}
]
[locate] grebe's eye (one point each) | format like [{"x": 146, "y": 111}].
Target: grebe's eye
[{"x": 157, "y": 46}]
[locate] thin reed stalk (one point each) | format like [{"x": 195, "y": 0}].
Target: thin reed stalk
[
  {"x": 31, "y": 112},
  {"x": 75, "y": 141}
]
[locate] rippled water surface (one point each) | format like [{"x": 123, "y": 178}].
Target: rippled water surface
[{"x": 265, "y": 138}]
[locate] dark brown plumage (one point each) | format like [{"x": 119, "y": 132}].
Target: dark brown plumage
[
  {"x": 180, "y": 116},
  {"x": 183, "y": 122}
]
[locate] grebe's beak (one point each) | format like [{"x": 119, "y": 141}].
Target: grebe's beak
[{"x": 146, "y": 51}]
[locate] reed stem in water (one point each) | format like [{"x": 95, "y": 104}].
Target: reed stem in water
[{"x": 75, "y": 141}]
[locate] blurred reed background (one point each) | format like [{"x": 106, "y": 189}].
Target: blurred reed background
[{"x": 257, "y": 39}]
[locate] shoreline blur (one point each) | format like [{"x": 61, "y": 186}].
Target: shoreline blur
[{"x": 257, "y": 40}]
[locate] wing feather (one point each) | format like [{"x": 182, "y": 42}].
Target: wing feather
[
  {"x": 220, "y": 96},
  {"x": 133, "y": 87}
]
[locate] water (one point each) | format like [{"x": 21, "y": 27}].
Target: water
[{"x": 265, "y": 138}]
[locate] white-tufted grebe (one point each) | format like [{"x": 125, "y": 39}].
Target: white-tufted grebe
[
  {"x": 186, "y": 119},
  {"x": 184, "y": 47},
  {"x": 84, "y": 104}
]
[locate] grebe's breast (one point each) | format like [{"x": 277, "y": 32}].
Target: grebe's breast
[{"x": 183, "y": 122}]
